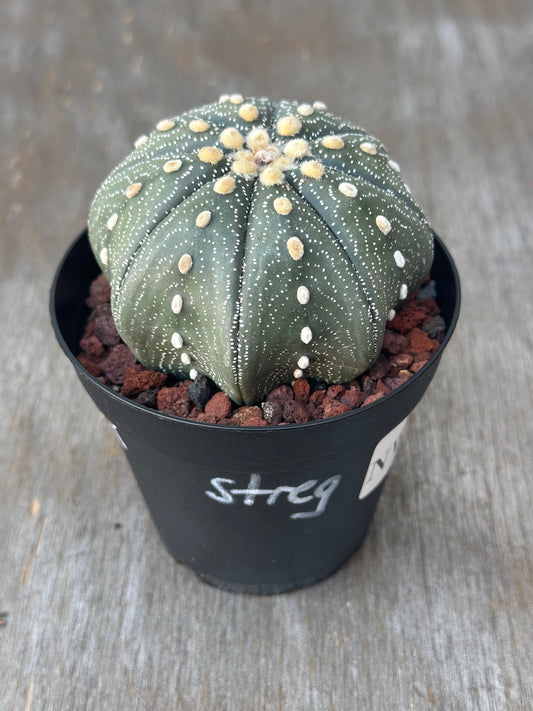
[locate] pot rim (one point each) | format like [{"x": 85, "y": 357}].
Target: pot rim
[{"x": 359, "y": 412}]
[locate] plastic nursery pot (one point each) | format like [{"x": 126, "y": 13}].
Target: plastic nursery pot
[{"x": 254, "y": 509}]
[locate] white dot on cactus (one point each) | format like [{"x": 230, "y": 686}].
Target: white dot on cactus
[
  {"x": 303, "y": 362},
  {"x": 348, "y": 189},
  {"x": 231, "y": 138},
  {"x": 298, "y": 373},
  {"x": 333, "y": 142},
  {"x": 133, "y": 190},
  {"x": 399, "y": 258},
  {"x": 165, "y": 125},
  {"x": 171, "y": 166},
  {"x": 383, "y": 224},
  {"x": 394, "y": 165},
  {"x": 210, "y": 154},
  {"x": 193, "y": 373},
  {"x": 391, "y": 315},
  {"x": 198, "y": 125},
  {"x": 104, "y": 256},
  {"x": 368, "y": 147},
  {"x": 403, "y": 291},
  {"x": 177, "y": 303},
  {"x": 140, "y": 141},
  {"x": 177, "y": 340},
  {"x": 185, "y": 358},
  {"x": 305, "y": 109},
  {"x": 185, "y": 263},
  {"x": 282, "y": 205},
  {"x": 295, "y": 248},
  {"x": 312, "y": 169},
  {"x": 319, "y": 106},
  {"x": 224, "y": 185},
  {"x": 248, "y": 112},
  {"x": 302, "y": 295},
  {"x": 288, "y": 126},
  {"x": 306, "y": 335},
  {"x": 203, "y": 218},
  {"x": 296, "y": 148},
  {"x": 236, "y": 98},
  {"x": 112, "y": 221}
]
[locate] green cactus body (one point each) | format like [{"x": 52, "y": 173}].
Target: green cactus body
[{"x": 256, "y": 242}]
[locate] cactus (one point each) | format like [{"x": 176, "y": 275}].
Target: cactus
[{"x": 256, "y": 242}]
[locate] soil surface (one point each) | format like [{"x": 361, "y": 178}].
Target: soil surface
[{"x": 414, "y": 333}]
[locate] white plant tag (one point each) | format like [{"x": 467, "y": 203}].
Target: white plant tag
[{"x": 381, "y": 460}]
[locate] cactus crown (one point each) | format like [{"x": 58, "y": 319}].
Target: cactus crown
[{"x": 256, "y": 242}]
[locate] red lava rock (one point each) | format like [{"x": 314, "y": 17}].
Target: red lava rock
[
  {"x": 332, "y": 408},
  {"x": 431, "y": 306},
  {"x": 301, "y": 389},
  {"x": 380, "y": 368},
  {"x": 295, "y": 411},
  {"x": 174, "y": 400},
  {"x": 282, "y": 394},
  {"x": 193, "y": 414},
  {"x": 404, "y": 374},
  {"x": 335, "y": 392},
  {"x": 245, "y": 413},
  {"x": 225, "y": 421},
  {"x": 394, "y": 342},
  {"x": 106, "y": 331},
  {"x": 402, "y": 360},
  {"x": 317, "y": 398},
  {"x": 118, "y": 361},
  {"x": 219, "y": 406},
  {"x": 418, "y": 365},
  {"x": 102, "y": 310},
  {"x": 92, "y": 346},
  {"x": 424, "y": 355},
  {"x": 367, "y": 385},
  {"x": 382, "y": 387},
  {"x": 148, "y": 398},
  {"x": 410, "y": 315},
  {"x": 206, "y": 417},
  {"x": 138, "y": 379},
  {"x": 393, "y": 383},
  {"x": 420, "y": 341},
  {"x": 434, "y": 326},
  {"x": 99, "y": 292},
  {"x": 353, "y": 398},
  {"x": 372, "y": 398},
  {"x": 273, "y": 412},
  {"x": 255, "y": 422},
  {"x": 89, "y": 365}
]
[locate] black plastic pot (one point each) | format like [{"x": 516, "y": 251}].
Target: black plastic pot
[{"x": 260, "y": 510}]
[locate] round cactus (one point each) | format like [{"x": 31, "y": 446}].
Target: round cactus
[{"x": 256, "y": 242}]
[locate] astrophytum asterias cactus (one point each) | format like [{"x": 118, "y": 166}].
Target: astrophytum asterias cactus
[{"x": 256, "y": 242}]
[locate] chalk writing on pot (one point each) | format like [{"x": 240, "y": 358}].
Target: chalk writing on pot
[{"x": 310, "y": 493}]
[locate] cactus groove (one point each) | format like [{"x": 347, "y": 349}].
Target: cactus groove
[{"x": 255, "y": 242}]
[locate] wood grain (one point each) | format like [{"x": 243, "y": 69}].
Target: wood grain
[{"x": 435, "y": 610}]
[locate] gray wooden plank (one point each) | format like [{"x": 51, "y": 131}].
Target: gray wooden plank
[{"x": 434, "y": 611}]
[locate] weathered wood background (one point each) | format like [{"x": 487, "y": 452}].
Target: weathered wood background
[{"x": 435, "y": 610}]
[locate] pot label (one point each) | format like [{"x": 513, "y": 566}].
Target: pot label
[
  {"x": 381, "y": 460},
  {"x": 310, "y": 492}
]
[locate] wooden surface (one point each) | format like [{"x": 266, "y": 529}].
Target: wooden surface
[{"x": 435, "y": 610}]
